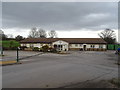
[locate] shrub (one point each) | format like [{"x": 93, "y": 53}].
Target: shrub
[
  {"x": 53, "y": 50},
  {"x": 41, "y": 49},
  {"x": 45, "y": 48},
  {"x": 50, "y": 49},
  {"x": 35, "y": 49},
  {"x": 22, "y": 47}
]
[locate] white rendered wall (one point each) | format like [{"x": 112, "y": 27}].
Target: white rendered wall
[
  {"x": 65, "y": 45},
  {"x": 37, "y": 45},
  {"x": 87, "y": 45},
  {"x": 104, "y": 46},
  {"x": 21, "y": 45},
  {"x": 27, "y": 45},
  {"x": 74, "y": 46},
  {"x": 96, "y": 45}
]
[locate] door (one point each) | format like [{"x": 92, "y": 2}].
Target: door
[
  {"x": 84, "y": 47},
  {"x": 60, "y": 47}
]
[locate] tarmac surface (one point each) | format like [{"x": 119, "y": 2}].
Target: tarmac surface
[
  {"x": 12, "y": 55},
  {"x": 50, "y": 70}
]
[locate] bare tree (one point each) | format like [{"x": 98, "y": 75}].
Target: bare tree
[
  {"x": 33, "y": 33},
  {"x": 1, "y": 32},
  {"x": 41, "y": 33},
  {"x": 108, "y": 35},
  {"x": 52, "y": 34},
  {"x": 2, "y": 35}
]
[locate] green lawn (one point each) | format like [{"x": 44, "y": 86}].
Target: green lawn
[{"x": 10, "y": 43}]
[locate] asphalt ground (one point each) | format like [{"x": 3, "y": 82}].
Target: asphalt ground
[
  {"x": 50, "y": 70},
  {"x": 12, "y": 55}
]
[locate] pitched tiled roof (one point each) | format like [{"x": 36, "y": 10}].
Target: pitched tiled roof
[{"x": 69, "y": 40}]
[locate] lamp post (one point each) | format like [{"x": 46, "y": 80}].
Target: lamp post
[{"x": 18, "y": 54}]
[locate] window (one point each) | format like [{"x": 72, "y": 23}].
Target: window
[
  {"x": 76, "y": 45},
  {"x": 92, "y": 46},
  {"x": 70, "y": 45},
  {"x": 80, "y": 45},
  {"x": 100, "y": 46},
  {"x": 31, "y": 45}
]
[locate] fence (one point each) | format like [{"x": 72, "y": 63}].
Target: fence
[
  {"x": 113, "y": 46},
  {"x": 12, "y": 55}
]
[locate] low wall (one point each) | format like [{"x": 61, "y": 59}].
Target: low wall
[
  {"x": 74, "y": 49},
  {"x": 88, "y": 49},
  {"x": 96, "y": 49}
]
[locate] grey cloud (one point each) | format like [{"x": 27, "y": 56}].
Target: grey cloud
[{"x": 60, "y": 15}]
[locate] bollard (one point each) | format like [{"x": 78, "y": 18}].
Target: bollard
[
  {"x": 1, "y": 51},
  {"x": 17, "y": 54}
]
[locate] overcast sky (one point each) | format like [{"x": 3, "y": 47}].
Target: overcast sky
[{"x": 83, "y": 19}]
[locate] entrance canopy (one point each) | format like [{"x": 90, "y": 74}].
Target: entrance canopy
[{"x": 60, "y": 45}]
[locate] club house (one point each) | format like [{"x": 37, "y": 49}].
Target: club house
[{"x": 65, "y": 44}]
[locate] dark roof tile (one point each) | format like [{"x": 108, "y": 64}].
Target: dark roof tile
[{"x": 69, "y": 40}]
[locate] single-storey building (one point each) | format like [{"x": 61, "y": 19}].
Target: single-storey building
[{"x": 66, "y": 44}]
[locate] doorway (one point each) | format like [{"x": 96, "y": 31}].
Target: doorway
[
  {"x": 84, "y": 47},
  {"x": 58, "y": 47}
]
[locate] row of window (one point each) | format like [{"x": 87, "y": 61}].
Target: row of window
[
  {"x": 76, "y": 45},
  {"x": 92, "y": 46},
  {"x": 32, "y": 45}
]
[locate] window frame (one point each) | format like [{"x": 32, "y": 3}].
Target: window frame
[
  {"x": 100, "y": 46},
  {"x": 76, "y": 45}
]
